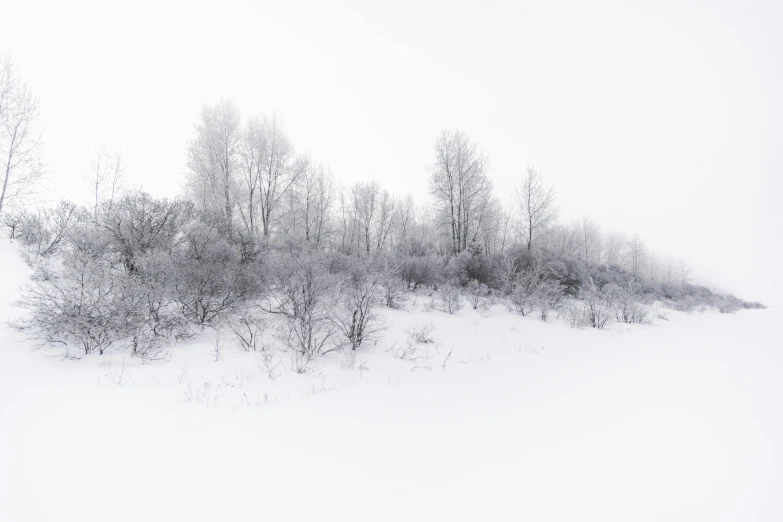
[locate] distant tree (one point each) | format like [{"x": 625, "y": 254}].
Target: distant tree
[
  {"x": 494, "y": 228},
  {"x": 384, "y": 219},
  {"x": 105, "y": 178},
  {"x": 591, "y": 240},
  {"x": 279, "y": 171},
  {"x": 213, "y": 160},
  {"x": 637, "y": 255},
  {"x": 564, "y": 240},
  {"x": 314, "y": 196},
  {"x": 684, "y": 272},
  {"x": 366, "y": 196},
  {"x": 348, "y": 222},
  {"x": 405, "y": 221},
  {"x": 537, "y": 203},
  {"x": 614, "y": 249},
  {"x": 461, "y": 187},
  {"x": 20, "y": 137}
]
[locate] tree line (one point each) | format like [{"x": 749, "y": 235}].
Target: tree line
[{"x": 265, "y": 241}]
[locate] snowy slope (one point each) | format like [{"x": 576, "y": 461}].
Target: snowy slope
[{"x": 680, "y": 420}]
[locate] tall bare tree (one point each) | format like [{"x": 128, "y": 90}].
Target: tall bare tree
[
  {"x": 637, "y": 255},
  {"x": 614, "y": 249},
  {"x": 461, "y": 187},
  {"x": 214, "y": 158},
  {"x": 366, "y": 197},
  {"x": 105, "y": 178},
  {"x": 313, "y": 198},
  {"x": 684, "y": 272},
  {"x": 405, "y": 219},
  {"x": 279, "y": 171},
  {"x": 20, "y": 136},
  {"x": 385, "y": 219},
  {"x": 591, "y": 240},
  {"x": 537, "y": 203},
  {"x": 253, "y": 153}
]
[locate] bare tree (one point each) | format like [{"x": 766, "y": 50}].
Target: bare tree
[
  {"x": 253, "y": 153},
  {"x": 213, "y": 159},
  {"x": 348, "y": 221},
  {"x": 106, "y": 177},
  {"x": 314, "y": 197},
  {"x": 495, "y": 227},
  {"x": 614, "y": 249},
  {"x": 461, "y": 187},
  {"x": 591, "y": 240},
  {"x": 279, "y": 171},
  {"x": 365, "y": 201},
  {"x": 20, "y": 137},
  {"x": 637, "y": 255},
  {"x": 385, "y": 219},
  {"x": 538, "y": 207},
  {"x": 358, "y": 295},
  {"x": 306, "y": 303},
  {"x": 684, "y": 272},
  {"x": 564, "y": 240},
  {"x": 671, "y": 270},
  {"x": 405, "y": 218}
]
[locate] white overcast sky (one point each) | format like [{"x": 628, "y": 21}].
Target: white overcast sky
[{"x": 662, "y": 118}]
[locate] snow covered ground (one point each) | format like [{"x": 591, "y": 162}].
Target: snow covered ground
[{"x": 680, "y": 420}]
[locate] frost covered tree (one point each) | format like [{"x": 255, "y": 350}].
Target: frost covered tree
[
  {"x": 270, "y": 169},
  {"x": 404, "y": 221},
  {"x": 138, "y": 223},
  {"x": 637, "y": 255},
  {"x": 537, "y": 204},
  {"x": 106, "y": 177},
  {"x": 460, "y": 186},
  {"x": 305, "y": 303},
  {"x": 78, "y": 301},
  {"x": 20, "y": 137},
  {"x": 313, "y": 198},
  {"x": 591, "y": 240},
  {"x": 614, "y": 249},
  {"x": 214, "y": 159},
  {"x": 358, "y": 294},
  {"x": 366, "y": 197}
]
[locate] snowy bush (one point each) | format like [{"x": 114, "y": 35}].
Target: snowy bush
[
  {"x": 597, "y": 308},
  {"x": 357, "y": 299},
  {"x": 209, "y": 279},
  {"x": 471, "y": 266},
  {"x": 477, "y": 293},
  {"x": 393, "y": 288},
  {"x": 421, "y": 271},
  {"x": 574, "y": 314},
  {"x": 625, "y": 300},
  {"x": 138, "y": 224},
  {"x": 548, "y": 296},
  {"x": 80, "y": 300},
  {"x": 248, "y": 324},
  {"x": 306, "y": 301},
  {"x": 525, "y": 292},
  {"x": 422, "y": 333},
  {"x": 46, "y": 230},
  {"x": 449, "y": 299}
]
